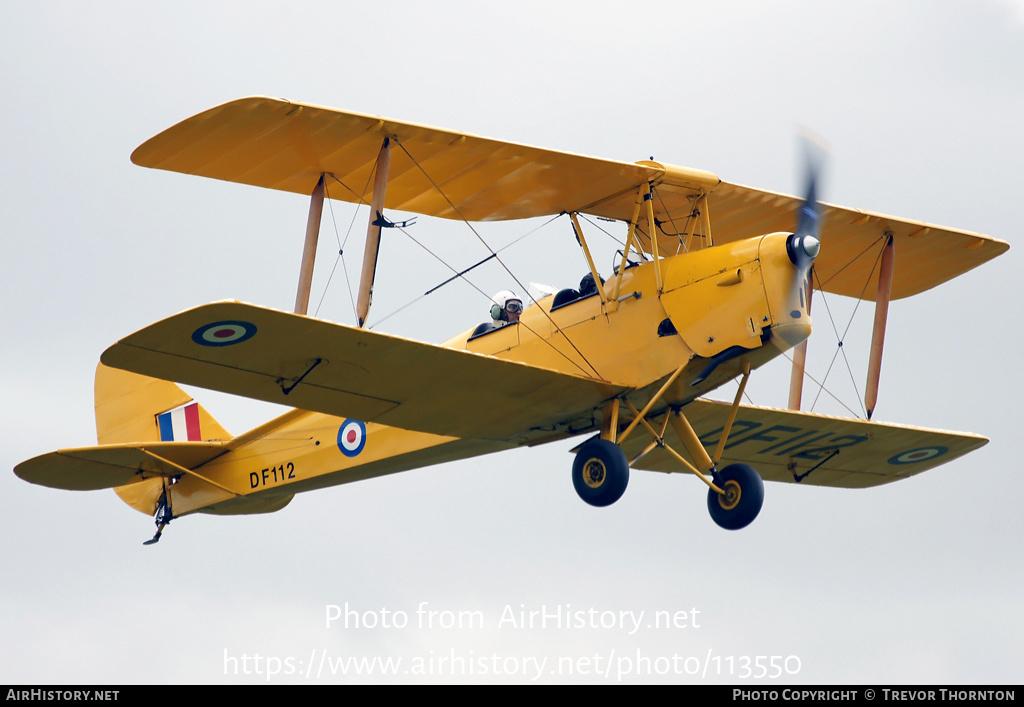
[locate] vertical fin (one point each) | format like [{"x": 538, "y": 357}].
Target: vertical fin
[
  {"x": 127, "y": 410},
  {"x": 127, "y": 406}
]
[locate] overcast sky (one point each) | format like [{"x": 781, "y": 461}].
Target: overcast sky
[{"x": 915, "y": 582}]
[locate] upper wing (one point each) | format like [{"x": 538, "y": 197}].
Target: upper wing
[
  {"x": 784, "y": 445},
  {"x": 851, "y": 240},
  {"x": 283, "y": 145},
  {"x": 278, "y": 144},
  {"x": 339, "y": 370}
]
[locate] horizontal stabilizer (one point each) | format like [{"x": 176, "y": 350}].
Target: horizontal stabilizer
[
  {"x": 339, "y": 370},
  {"x": 108, "y": 466},
  {"x": 787, "y": 445}
]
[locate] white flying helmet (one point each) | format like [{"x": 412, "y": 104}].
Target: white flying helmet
[{"x": 505, "y": 303}]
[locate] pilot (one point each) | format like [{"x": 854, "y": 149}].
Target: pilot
[{"x": 506, "y": 308}]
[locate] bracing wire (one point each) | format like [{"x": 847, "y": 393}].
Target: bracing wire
[
  {"x": 479, "y": 290},
  {"x": 686, "y": 223},
  {"x": 822, "y": 388},
  {"x": 341, "y": 252},
  {"x": 841, "y": 338},
  {"x": 458, "y": 274},
  {"x": 522, "y": 287}
]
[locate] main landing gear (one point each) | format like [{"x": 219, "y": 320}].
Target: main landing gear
[
  {"x": 742, "y": 500},
  {"x": 600, "y": 472}
]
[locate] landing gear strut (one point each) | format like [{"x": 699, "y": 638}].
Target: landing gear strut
[{"x": 600, "y": 472}]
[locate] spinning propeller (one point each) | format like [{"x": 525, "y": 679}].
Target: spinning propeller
[{"x": 803, "y": 246}]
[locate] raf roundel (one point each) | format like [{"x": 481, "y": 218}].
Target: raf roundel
[
  {"x": 224, "y": 333},
  {"x": 351, "y": 437},
  {"x": 918, "y": 455}
]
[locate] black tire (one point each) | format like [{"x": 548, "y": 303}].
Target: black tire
[
  {"x": 600, "y": 472},
  {"x": 744, "y": 496}
]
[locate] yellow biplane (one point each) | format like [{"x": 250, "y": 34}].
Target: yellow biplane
[{"x": 714, "y": 281}]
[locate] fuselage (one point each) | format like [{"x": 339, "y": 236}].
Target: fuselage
[{"x": 710, "y": 311}]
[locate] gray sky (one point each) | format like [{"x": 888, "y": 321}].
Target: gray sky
[{"x": 916, "y": 582}]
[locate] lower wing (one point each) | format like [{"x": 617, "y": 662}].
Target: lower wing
[
  {"x": 339, "y": 370},
  {"x": 787, "y": 445}
]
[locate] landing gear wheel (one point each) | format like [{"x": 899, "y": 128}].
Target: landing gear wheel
[
  {"x": 744, "y": 495},
  {"x": 600, "y": 472}
]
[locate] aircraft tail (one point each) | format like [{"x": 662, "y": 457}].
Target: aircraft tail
[{"x": 131, "y": 408}]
